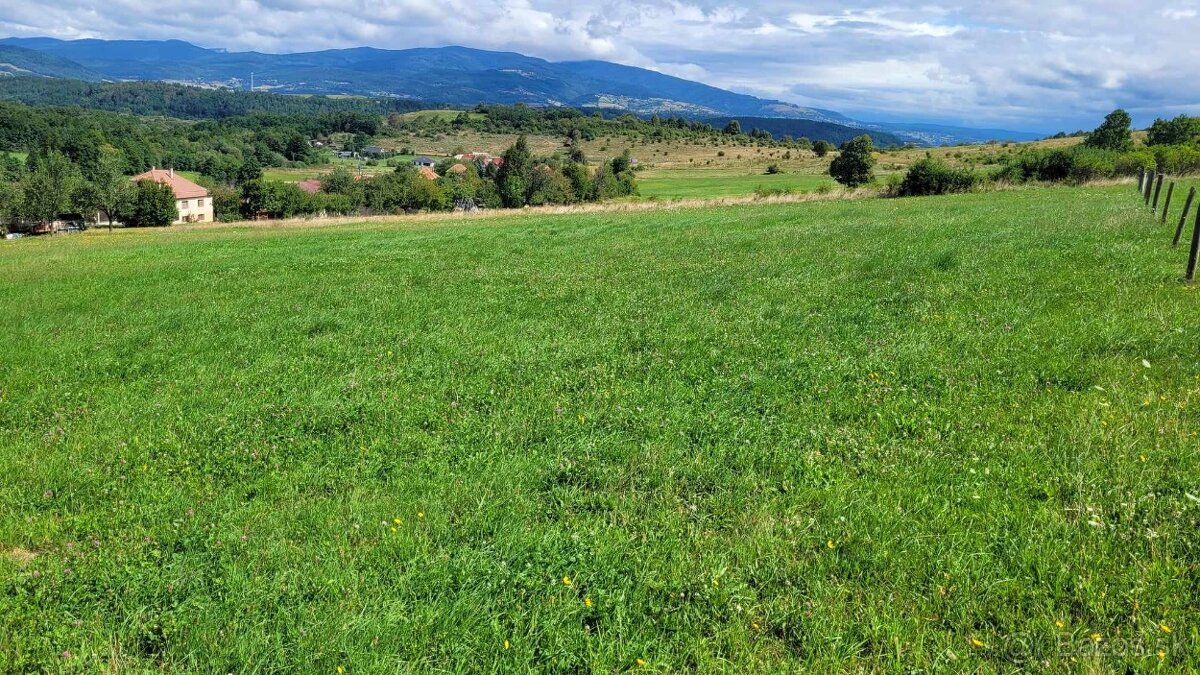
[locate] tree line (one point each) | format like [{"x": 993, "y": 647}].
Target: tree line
[
  {"x": 519, "y": 180},
  {"x": 1109, "y": 151},
  {"x": 188, "y": 102}
]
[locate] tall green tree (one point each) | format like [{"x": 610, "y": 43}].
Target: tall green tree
[
  {"x": 734, "y": 128},
  {"x": 855, "y": 165},
  {"x": 48, "y": 189},
  {"x": 152, "y": 205},
  {"x": 514, "y": 177},
  {"x": 250, "y": 170},
  {"x": 1114, "y": 133},
  {"x": 109, "y": 186},
  {"x": 1179, "y": 131},
  {"x": 9, "y": 203}
]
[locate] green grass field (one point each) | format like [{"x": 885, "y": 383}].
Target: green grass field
[
  {"x": 706, "y": 183},
  {"x": 943, "y": 434}
]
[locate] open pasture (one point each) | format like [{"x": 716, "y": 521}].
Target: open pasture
[{"x": 883, "y": 435}]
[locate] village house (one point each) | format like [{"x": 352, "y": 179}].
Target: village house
[
  {"x": 374, "y": 152},
  {"x": 192, "y": 201},
  {"x": 424, "y": 162}
]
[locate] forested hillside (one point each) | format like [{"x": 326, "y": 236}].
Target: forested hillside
[{"x": 186, "y": 102}]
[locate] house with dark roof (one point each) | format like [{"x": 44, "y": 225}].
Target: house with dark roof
[
  {"x": 424, "y": 162},
  {"x": 374, "y": 152},
  {"x": 192, "y": 201}
]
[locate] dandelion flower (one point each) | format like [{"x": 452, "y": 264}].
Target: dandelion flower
[
  {"x": 641, "y": 662},
  {"x": 1060, "y": 624},
  {"x": 507, "y": 644},
  {"x": 420, "y": 514},
  {"x": 1161, "y": 655},
  {"x": 567, "y": 581},
  {"x": 756, "y": 626},
  {"x": 1142, "y": 458},
  {"x": 587, "y": 602},
  {"x": 830, "y": 544},
  {"x": 1164, "y": 628},
  {"x": 1096, "y": 637},
  {"x": 340, "y": 670},
  {"x": 977, "y": 643},
  {"x": 397, "y": 521},
  {"x": 393, "y": 530}
]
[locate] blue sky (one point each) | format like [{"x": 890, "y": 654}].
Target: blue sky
[{"x": 1041, "y": 66}]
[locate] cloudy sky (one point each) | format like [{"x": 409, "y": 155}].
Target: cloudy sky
[{"x": 1039, "y": 65}]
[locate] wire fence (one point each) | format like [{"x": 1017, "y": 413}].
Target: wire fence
[{"x": 1150, "y": 189}]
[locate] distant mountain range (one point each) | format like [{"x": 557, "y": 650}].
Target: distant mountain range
[
  {"x": 20, "y": 62},
  {"x": 451, "y": 75}
]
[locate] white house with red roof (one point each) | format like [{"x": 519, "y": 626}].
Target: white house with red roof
[{"x": 192, "y": 201}]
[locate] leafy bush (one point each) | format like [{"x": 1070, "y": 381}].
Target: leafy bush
[
  {"x": 1177, "y": 159},
  {"x": 1132, "y": 162},
  {"x": 762, "y": 191},
  {"x": 772, "y": 169},
  {"x": 932, "y": 177},
  {"x": 1092, "y": 164}
]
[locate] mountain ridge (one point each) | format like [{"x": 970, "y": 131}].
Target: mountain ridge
[{"x": 452, "y": 75}]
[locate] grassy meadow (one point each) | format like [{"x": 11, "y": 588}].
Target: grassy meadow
[
  {"x": 705, "y": 184},
  {"x": 941, "y": 434}
]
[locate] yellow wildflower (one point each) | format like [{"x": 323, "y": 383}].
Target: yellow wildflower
[
  {"x": 977, "y": 643},
  {"x": 1161, "y": 655},
  {"x": 420, "y": 514},
  {"x": 1060, "y": 624},
  {"x": 397, "y": 521},
  {"x": 507, "y": 645},
  {"x": 567, "y": 581},
  {"x": 1096, "y": 637},
  {"x": 830, "y": 543},
  {"x": 1143, "y": 458},
  {"x": 393, "y": 530},
  {"x": 587, "y": 602},
  {"x": 641, "y": 662},
  {"x": 340, "y": 670},
  {"x": 756, "y": 626},
  {"x": 1164, "y": 628}
]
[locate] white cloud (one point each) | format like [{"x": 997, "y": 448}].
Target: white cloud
[{"x": 1044, "y": 65}]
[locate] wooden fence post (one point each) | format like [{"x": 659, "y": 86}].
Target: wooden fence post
[
  {"x": 1149, "y": 185},
  {"x": 1141, "y": 184},
  {"x": 1195, "y": 252},
  {"x": 1158, "y": 190},
  {"x": 1167, "y": 203},
  {"x": 1183, "y": 217}
]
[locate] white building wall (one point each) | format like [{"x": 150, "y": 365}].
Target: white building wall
[{"x": 199, "y": 210}]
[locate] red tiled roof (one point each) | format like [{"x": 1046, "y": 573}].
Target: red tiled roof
[
  {"x": 458, "y": 168},
  {"x": 311, "y": 186},
  {"x": 429, "y": 173},
  {"x": 182, "y": 187}
]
